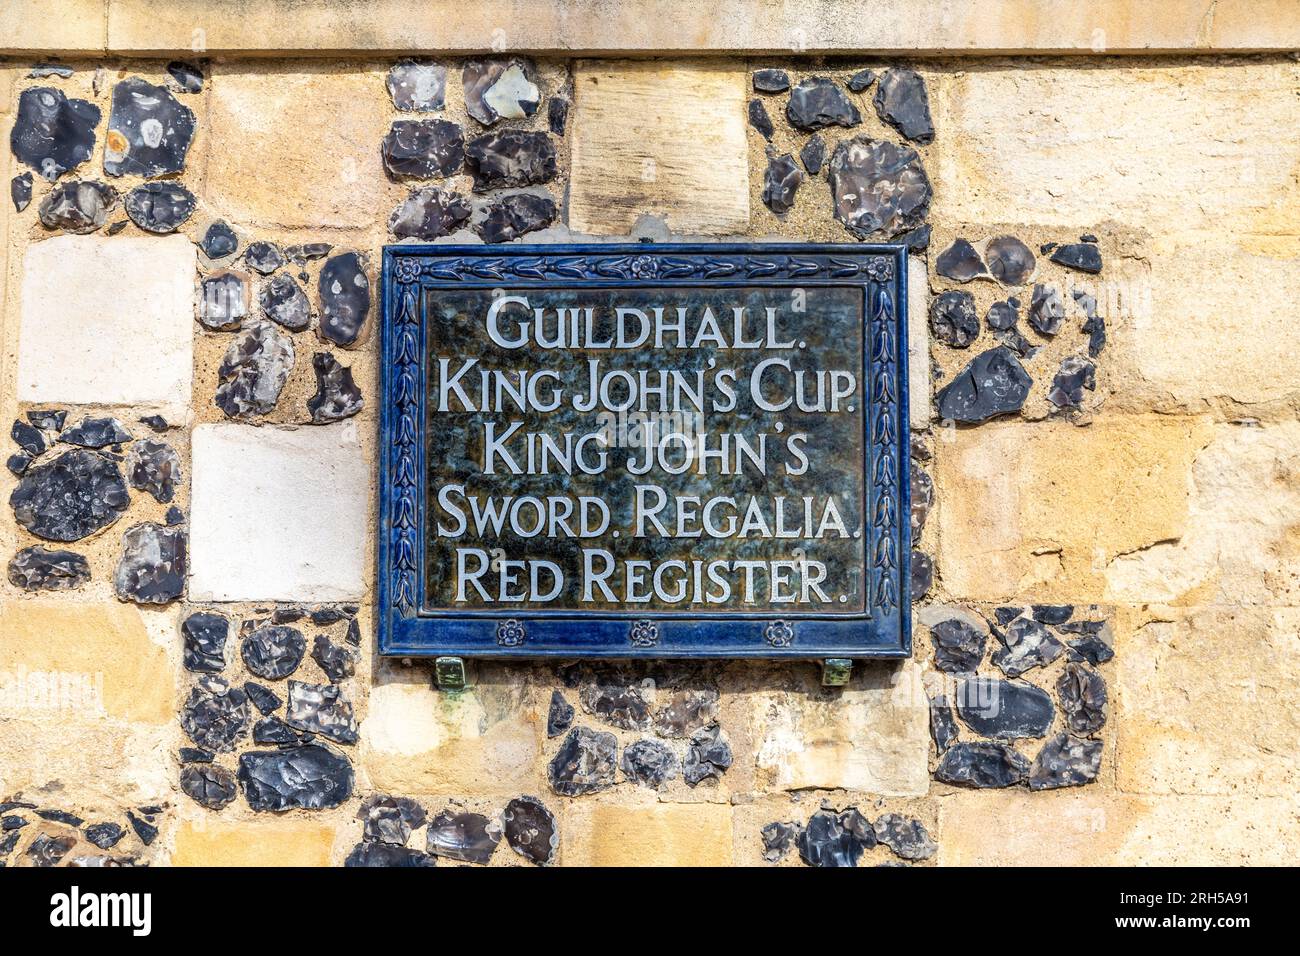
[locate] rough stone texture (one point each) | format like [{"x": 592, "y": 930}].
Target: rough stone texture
[
  {"x": 70, "y": 497},
  {"x": 220, "y": 842},
  {"x": 258, "y": 500},
  {"x": 107, "y": 321},
  {"x": 151, "y": 569},
  {"x": 660, "y": 834},
  {"x": 44, "y": 569},
  {"x": 687, "y": 167}
]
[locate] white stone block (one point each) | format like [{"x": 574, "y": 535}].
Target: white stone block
[
  {"x": 918, "y": 342},
  {"x": 108, "y": 321},
  {"x": 278, "y": 514}
]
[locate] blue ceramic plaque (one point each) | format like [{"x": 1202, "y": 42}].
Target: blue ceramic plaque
[{"x": 644, "y": 451}]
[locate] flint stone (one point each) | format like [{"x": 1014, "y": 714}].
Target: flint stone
[
  {"x": 1083, "y": 256},
  {"x": 417, "y": 87},
  {"x": 560, "y": 716},
  {"x": 496, "y": 89},
  {"x": 48, "y": 850},
  {"x": 149, "y": 131},
  {"x": 958, "y": 646},
  {"x": 1090, "y": 648},
  {"x": 907, "y": 838},
  {"x": 922, "y": 486},
  {"x": 18, "y": 462},
  {"x": 311, "y": 777},
  {"x": 901, "y": 101},
  {"x": 45, "y": 70},
  {"x": 584, "y": 763},
  {"x": 709, "y": 755},
  {"x": 104, "y": 835},
  {"x": 860, "y": 80},
  {"x": 219, "y": 241},
  {"x": 1065, "y": 761},
  {"x": 1083, "y": 698},
  {"x": 1074, "y": 375},
  {"x": 254, "y": 370},
  {"x": 263, "y": 698},
  {"x": 1046, "y": 310},
  {"x": 780, "y": 183},
  {"x": 28, "y": 437},
  {"x": 61, "y": 816},
  {"x": 960, "y": 262},
  {"x": 159, "y": 207},
  {"x": 778, "y": 838},
  {"x": 210, "y": 785},
  {"x": 468, "y": 837},
  {"x": 1016, "y": 342},
  {"x": 509, "y": 217},
  {"x": 95, "y": 433},
  {"x": 530, "y": 830},
  {"x": 224, "y": 303},
  {"x": 953, "y": 320},
  {"x": 344, "y": 298},
  {"x": 686, "y": 712},
  {"x": 817, "y": 102},
  {"x": 943, "y": 726},
  {"x": 338, "y": 662},
  {"x": 48, "y": 419},
  {"x": 1026, "y": 644},
  {"x": 154, "y": 467},
  {"x": 205, "y": 642},
  {"x": 922, "y": 575},
  {"x": 263, "y": 257},
  {"x": 759, "y": 119},
  {"x": 80, "y": 206},
  {"x": 274, "y": 731},
  {"x": 283, "y": 302},
  {"x": 40, "y": 569},
  {"x": 20, "y": 191},
  {"x": 53, "y": 134},
  {"x": 71, "y": 497},
  {"x": 650, "y": 763},
  {"x": 994, "y": 383},
  {"x": 771, "y": 81},
  {"x": 831, "y": 840},
  {"x": 813, "y": 155},
  {"x": 308, "y": 252},
  {"x": 384, "y": 855},
  {"x": 424, "y": 149},
  {"x": 390, "y": 819},
  {"x": 337, "y": 396},
  {"x": 215, "y": 715},
  {"x": 152, "y": 566},
  {"x": 1010, "y": 261},
  {"x": 13, "y": 822},
  {"x": 429, "y": 213},
  {"x": 981, "y": 765},
  {"x": 274, "y": 651},
  {"x": 321, "y": 709},
  {"x": 184, "y": 77},
  {"x": 1004, "y": 710},
  {"x": 557, "y": 114},
  {"x": 510, "y": 158},
  {"x": 626, "y": 705},
  {"x": 1001, "y": 316},
  {"x": 878, "y": 186}
]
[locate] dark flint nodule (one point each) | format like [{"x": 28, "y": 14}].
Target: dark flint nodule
[
  {"x": 61, "y": 816},
  {"x": 263, "y": 257},
  {"x": 219, "y": 241},
  {"x": 1010, "y": 261},
  {"x": 104, "y": 835},
  {"x": 1090, "y": 648},
  {"x": 560, "y": 715},
  {"x": 417, "y": 87},
  {"x": 27, "y": 437},
  {"x": 215, "y": 715},
  {"x": 48, "y": 419},
  {"x": 377, "y": 855},
  {"x": 943, "y": 726},
  {"x": 185, "y": 77},
  {"x": 307, "y": 252},
  {"x": 994, "y": 383},
  {"x": 813, "y": 154},
  {"x": 650, "y": 763},
  {"x": 209, "y": 785},
  {"x": 878, "y": 186},
  {"x": 902, "y": 102},
  {"x": 530, "y": 830},
  {"x": 780, "y": 183},
  {"x": 48, "y": 850},
  {"x": 584, "y": 763},
  {"x": 159, "y": 207},
  {"x": 1065, "y": 761},
  {"x": 958, "y": 646},
  {"x": 953, "y": 319},
  {"x": 1004, "y": 710},
  {"x": 835, "y": 840},
  {"x": 496, "y": 89},
  {"x": 154, "y": 467},
  {"x": 1046, "y": 310},
  {"x": 1074, "y": 375},
  {"x": 1083, "y": 698},
  {"x": 390, "y": 819},
  {"x": 424, "y": 149},
  {"x": 149, "y": 131},
  {"x": 263, "y": 698},
  {"x": 817, "y": 102},
  {"x": 759, "y": 119},
  {"x": 708, "y": 756},
  {"x": 337, "y": 396},
  {"x": 40, "y": 569},
  {"x": 467, "y": 837},
  {"x": 960, "y": 262},
  {"x": 80, "y": 206},
  {"x": 20, "y": 191},
  {"x": 860, "y": 80},
  {"x": 1083, "y": 256},
  {"x": 152, "y": 566},
  {"x": 205, "y": 636},
  {"x": 922, "y": 488},
  {"x": 273, "y": 651},
  {"x": 312, "y": 777},
  {"x": 53, "y": 134},
  {"x": 908, "y": 838},
  {"x": 982, "y": 765},
  {"x": 337, "y": 661},
  {"x": 510, "y": 158},
  {"x": 1052, "y": 613},
  {"x": 917, "y": 240},
  {"x": 922, "y": 576},
  {"x": 771, "y": 81},
  {"x": 429, "y": 213},
  {"x": 321, "y": 709},
  {"x": 778, "y": 839},
  {"x": 18, "y": 462},
  {"x": 686, "y": 712},
  {"x": 1026, "y": 644},
  {"x": 344, "y": 298},
  {"x": 283, "y": 302},
  {"x": 71, "y": 497},
  {"x": 515, "y": 215},
  {"x": 254, "y": 370},
  {"x": 272, "y": 731},
  {"x": 45, "y": 70},
  {"x": 224, "y": 302},
  {"x": 557, "y": 114},
  {"x": 1001, "y": 316},
  {"x": 618, "y": 700},
  {"x": 95, "y": 433}
]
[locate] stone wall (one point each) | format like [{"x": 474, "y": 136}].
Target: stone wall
[{"x": 1107, "y": 542}]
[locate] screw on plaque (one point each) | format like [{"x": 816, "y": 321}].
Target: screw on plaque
[
  {"x": 449, "y": 673},
  {"x": 835, "y": 671}
]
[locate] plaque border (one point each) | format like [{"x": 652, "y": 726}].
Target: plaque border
[{"x": 406, "y": 629}]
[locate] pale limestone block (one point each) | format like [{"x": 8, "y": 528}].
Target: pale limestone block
[
  {"x": 108, "y": 321},
  {"x": 209, "y": 841},
  {"x": 918, "y": 342},
  {"x": 659, "y": 139},
  {"x": 278, "y": 513},
  {"x": 653, "y": 834}
]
